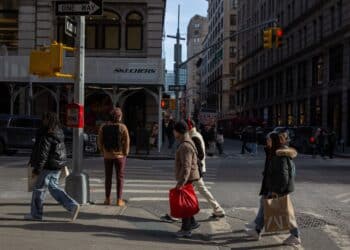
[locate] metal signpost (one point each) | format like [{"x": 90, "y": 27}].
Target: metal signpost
[{"x": 77, "y": 184}]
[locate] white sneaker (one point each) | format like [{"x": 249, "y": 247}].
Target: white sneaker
[
  {"x": 30, "y": 217},
  {"x": 219, "y": 212},
  {"x": 75, "y": 212},
  {"x": 250, "y": 226},
  {"x": 254, "y": 234},
  {"x": 292, "y": 241}
]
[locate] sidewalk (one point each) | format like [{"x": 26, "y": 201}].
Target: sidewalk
[{"x": 110, "y": 227}]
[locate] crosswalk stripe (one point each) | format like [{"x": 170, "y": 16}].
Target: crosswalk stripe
[
  {"x": 346, "y": 201},
  {"x": 135, "y": 191},
  {"x": 152, "y": 181},
  {"x": 340, "y": 196},
  {"x": 140, "y": 185},
  {"x": 156, "y": 199}
]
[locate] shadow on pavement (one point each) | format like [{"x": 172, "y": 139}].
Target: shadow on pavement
[
  {"x": 105, "y": 231},
  {"x": 258, "y": 247}
]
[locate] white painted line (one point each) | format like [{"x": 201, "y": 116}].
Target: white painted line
[
  {"x": 340, "y": 196},
  {"x": 341, "y": 240},
  {"x": 140, "y": 185},
  {"x": 345, "y": 201},
  {"x": 157, "y": 199},
  {"x": 136, "y": 191},
  {"x": 157, "y": 181}
]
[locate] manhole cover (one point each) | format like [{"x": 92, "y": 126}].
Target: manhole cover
[{"x": 309, "y": 221}]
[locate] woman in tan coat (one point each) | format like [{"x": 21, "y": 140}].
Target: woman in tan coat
[{"x": 186, "y": 170}]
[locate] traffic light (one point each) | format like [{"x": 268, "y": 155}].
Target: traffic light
[
  {"x": 267, "y": 38},
  {"x": 278, "y": 37},
  {"x": 48, "y": 62},
  {"x": 172, "y": 104},
  {"x": 164, "y": 104}
]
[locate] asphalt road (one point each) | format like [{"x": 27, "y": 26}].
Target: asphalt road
[{"x": 321, "y": 199}]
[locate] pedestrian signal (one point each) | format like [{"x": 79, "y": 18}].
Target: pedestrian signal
[{"x": 48, "y": 61}]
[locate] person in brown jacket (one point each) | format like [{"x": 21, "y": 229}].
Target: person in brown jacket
[
  {"x": 114, "y": 143},
  {"x": 186, "y": 170}
]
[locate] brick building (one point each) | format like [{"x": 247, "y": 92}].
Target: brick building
[{"x": 306, "y": 82}]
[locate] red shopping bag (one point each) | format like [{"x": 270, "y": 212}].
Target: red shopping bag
[{"x": 183, "y": 202}]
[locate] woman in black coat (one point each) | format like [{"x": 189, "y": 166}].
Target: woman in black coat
[
  {"x": 278, "y": 181},
  {"x": 47, "y": 159}
]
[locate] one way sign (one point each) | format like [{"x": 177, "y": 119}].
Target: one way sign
[{"x": 79, "y": 8}]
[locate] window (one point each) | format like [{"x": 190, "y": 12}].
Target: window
[
  {"x": 301, "y": 76},
  {"x": 9, "y": 24},
  {"x": 332, "y": 10},
  {"x": 320, "y": 24},
  {"x": 232, "y": 68},
  {"x": 233, "y": 51},
  {"x": 340, "y": 13},
  {"x": 233, "y": 37},
  {"x": 134, "y": 31},
  {"x": 233, "y": 20},
  {"x": 22, "y": 123},
  {"x": 197, "y": 25},
  {"x": 315, "y": 30},
  {"x": 317, "y": 70},
  {"x": 233, "y": 4},
  {"x": 336, "y": 63},
  {"x": 103, "y": 32},
  {"x": 290, "y": 80}
]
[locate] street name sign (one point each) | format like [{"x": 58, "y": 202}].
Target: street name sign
[
  {"x": 177, "y": 87},
  {"x": 70, "y": 26},
  {"x": 79, "y": 8}
]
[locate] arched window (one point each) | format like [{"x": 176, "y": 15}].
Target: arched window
[
  {"x": 103, "y": 32},
  {"x": 134, "y": 31},
  {"x": 9, "y": 24}
]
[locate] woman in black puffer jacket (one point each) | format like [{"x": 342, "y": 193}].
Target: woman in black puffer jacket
[
  {"x": 279, "y": 180},
  {"x": 47, "y": 159}
]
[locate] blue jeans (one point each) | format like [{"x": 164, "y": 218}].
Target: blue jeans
[
  {"x": 259, "y": 220},
  {"x": 48, "y": 179}
]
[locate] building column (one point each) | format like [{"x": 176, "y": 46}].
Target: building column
[
  {"x": 344, "y": 115},
  {"x": 325, "y": 108},
  {"x": 308, "y": 111}
]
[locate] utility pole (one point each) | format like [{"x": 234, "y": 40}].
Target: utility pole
[
  {"x": 177, "y": 57},
  {"x": 77, "y": 184}
]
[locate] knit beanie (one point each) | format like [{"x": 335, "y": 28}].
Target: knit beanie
[{"x": 181, "y": 127}]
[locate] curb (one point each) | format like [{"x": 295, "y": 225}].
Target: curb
[{"x": 340, "y": 155}]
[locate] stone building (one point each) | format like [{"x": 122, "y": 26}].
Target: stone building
[
  {"x": 197, "y": 30},
  {"x": 123, "y": 64},
  {"x": 306, "y": 81},
  {"x": 219, "y": 62}
]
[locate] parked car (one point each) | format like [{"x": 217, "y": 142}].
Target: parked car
[{"x": 18, "y": 132}]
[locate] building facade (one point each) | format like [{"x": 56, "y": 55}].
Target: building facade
[
  {"x": 219, "y": 62},
  {"x": 306, "y": 81},
  {"x": 123, "y": 64},
  {"x": 197, "y": 30}
]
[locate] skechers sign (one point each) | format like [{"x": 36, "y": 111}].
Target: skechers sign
[{"x": 135, "y": 70}]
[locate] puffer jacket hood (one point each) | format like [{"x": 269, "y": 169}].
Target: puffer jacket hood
[{"x": 287, "y": 152}]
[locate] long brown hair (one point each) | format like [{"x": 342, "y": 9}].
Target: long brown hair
[{"x": 276, "y": 143}]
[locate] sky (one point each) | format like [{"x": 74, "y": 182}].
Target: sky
[{"x": 189, "y": 8}]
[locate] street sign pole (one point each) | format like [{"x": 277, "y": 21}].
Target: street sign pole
[{"x": 77, "y": 184}]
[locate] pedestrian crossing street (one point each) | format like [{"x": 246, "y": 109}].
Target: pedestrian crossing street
[{"x": 148, "y": 183}]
